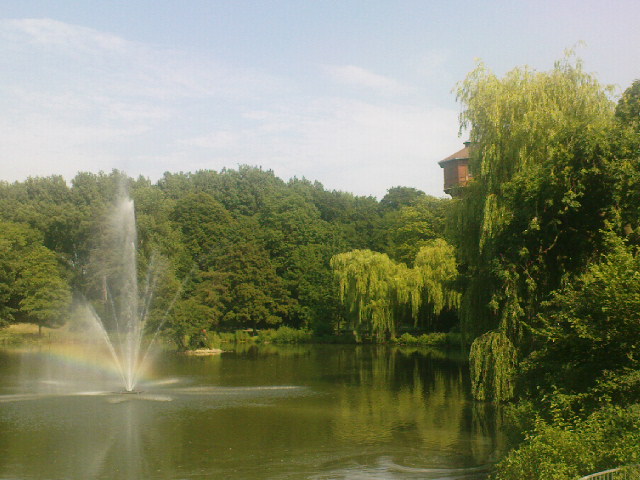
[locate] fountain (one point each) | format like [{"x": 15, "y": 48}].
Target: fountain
[{"x": 116, "y": 262}]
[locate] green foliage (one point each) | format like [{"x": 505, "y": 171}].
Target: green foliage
[
  {"x": 244, "y": 248},
  {"x": 205, "y": 225},
  {"x": 241, "y": 336},
  {"x": 369, "y": 284},
  {"x": 589, "y": 336},
  {"x": 253, "y": 250},
  {"x": 606, "y": 439},
  {"x": 542, "y": 192},
  {"x": 492, "y": 363},
  {"x": 434, "y": 339},
  {"x": 398, "y": 197},
  {"x": 187, "y": 319},
  {"x": 376, "y": 289},
  {"x": 628, "y": 108},
  {"x": 33, "y": 286},
  {"x": 249, "y": 291},
  {"x": 413, "y": 226},
  {"x": 436, "y": 266},
  {"x": 45, "y": 294},
  {"x": 284, "y": 335},
  {"x": 546, "y": 281}
]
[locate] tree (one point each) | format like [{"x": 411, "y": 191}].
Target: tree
[
  {"x": 251, "y": 293},
  {"x": 33, "y": 287},
  {"x": 413, "y": 226},
  {"x": 628, "y": 108},
  {"x": 378, "y": 291},
  {"x": 206, "y": 226},
  {"x": 589, "y": 334},
  {"x": 369, "y": 285},
  {"x": 398, "y": 197},
  {"x": 187, "y": 318},
  {"x": 540, "y": 196}
]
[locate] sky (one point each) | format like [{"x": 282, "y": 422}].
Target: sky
[{"x": 357, "y": 95}]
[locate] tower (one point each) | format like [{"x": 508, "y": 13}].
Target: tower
[{"x": 456, "y": 170}]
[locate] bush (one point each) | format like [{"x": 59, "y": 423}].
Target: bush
[
  {"x": 553, "y": 454},
  {"x": 242, "y": 336},
  {"x": 606, "y": 439},
  {"x": 344, "y": 338},
  {"x": 284, "y": 335},
  {"x": 266, "y": 336},
  {"x": 436, "y": 339},
  {"x": 214, "y": 339},
  {"x": 589, "y": 336},
  {"x": 226, "y": 337}
]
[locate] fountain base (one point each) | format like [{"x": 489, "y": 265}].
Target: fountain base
[{"x": 130, "y": 392}]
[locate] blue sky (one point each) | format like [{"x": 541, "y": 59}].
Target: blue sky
[{"x": 354, "y": 94}]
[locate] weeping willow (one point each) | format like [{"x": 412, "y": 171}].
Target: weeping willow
[
  {"x": 537, "y": 140},
  {"x": 493, "y": 360},
  {"x": 376, "y": 289},
  {"x": 436, "y": 266}
]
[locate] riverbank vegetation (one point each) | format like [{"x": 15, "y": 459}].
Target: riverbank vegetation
[{"x": 534, "y": 265}]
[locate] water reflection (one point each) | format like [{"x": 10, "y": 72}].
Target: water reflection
[
  {"x": 299, "y": 412},
  {"x": 420, "y": 400}
]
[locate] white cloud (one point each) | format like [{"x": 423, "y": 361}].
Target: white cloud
[
  {"x": 359, "y": 77},
  {"x": 48, "y": 52},
  {"x": 80, "y": 99},
  {"x": 54, "y": 34},
  {"x": 215, "y": 140},
  {"x": 73, "y": 97}
]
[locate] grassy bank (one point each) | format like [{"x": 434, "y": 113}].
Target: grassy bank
[{"x": 27, "y": 333}]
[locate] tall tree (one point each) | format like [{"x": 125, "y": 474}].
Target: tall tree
[{"x": 538, "y": 202}]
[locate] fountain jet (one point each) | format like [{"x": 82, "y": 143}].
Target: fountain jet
[{"x": 121, "y": 322}]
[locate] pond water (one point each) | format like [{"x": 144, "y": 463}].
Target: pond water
[{"x": 298, "y": 412}]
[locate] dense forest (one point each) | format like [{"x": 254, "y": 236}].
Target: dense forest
[
  {"x": 241, "y": 249},
  {"x": 535, "y": 262}
]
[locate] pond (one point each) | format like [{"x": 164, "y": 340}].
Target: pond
[{"x": 297, "y": 412}]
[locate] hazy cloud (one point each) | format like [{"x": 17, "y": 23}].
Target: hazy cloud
[
  {"x": 346, "y": 144},
  {"x": 359, "y": 77}
]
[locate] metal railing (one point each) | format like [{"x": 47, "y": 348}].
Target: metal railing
[{"x": 631, "y": 472}]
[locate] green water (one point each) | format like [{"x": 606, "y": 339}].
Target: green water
[{"x": 309, "y": 412}]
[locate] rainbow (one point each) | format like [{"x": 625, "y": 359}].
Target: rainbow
[{"x": 75, "y": 361}]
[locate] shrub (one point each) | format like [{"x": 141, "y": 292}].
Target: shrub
[
  {"x": 214, "y": 339},
  {"x": 284, "y": 335},
  {"x": 226, "y": 337},
  {"x": 606, "y": 439},
  {"x": 435, "y": 339},
  {"x": 241, "y": 336}
]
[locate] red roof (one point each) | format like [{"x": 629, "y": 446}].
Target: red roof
[{"x": 459, "y": 155}]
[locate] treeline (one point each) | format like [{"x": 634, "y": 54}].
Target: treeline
[
  {"x": 240, "y": 248},
  {"x": 547, "y": 236}
]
